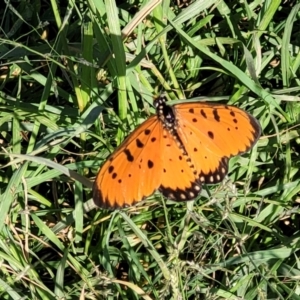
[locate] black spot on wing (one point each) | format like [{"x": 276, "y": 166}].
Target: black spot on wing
[
  {"x": 139, "y": 144},
  {"x": 128, "y": 154},
  {"x": 216, "y": 115},
  {"x": 150, "y": 164},
  {"x": 210, "y": 134},
  {"x": 203, "y": 114}
]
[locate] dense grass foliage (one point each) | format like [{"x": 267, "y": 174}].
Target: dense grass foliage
[{"x": 76, "y": 78}]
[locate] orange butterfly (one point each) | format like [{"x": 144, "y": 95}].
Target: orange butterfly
[{"x": 175, "y": 151}]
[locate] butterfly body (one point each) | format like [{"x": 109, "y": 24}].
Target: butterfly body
[{"x": 175, "y": 151}]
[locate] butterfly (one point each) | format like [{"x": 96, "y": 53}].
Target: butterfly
[{"x": 175, "y": 152}]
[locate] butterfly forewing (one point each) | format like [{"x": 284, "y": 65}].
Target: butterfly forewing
[
  {"x": 133, "y": 171},
  {"x": 212, "y": 133}
]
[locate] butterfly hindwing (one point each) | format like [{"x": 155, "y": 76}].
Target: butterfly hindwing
[
  {"x": 131, "y": 173},
  {"x": 179, "y": 180}
]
